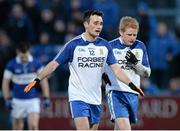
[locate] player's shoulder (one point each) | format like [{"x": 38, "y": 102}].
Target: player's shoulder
[
  {"x": 139, "y": 44},
  {"x": 11, "y": 64},
  {"x": 12, "y": 61},
  {"x": 102, "y": 39},
  {"x": 114, "y": 41},
  {"x": 75, "y": 40}
]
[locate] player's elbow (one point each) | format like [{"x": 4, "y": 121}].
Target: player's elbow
[{"x": 147, "y": 73}]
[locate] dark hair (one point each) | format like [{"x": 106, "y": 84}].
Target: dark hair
[
  {"x": 89, "y": 13},
  {"x": 23, "y": 47}
]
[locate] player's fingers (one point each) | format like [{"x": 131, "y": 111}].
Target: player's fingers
[
  {"x": 26, "y": 89},
  {"x": 29, "y": 86},
  {"x": 141, "y": 92},
  {"x": 128, "y": 54},
  {"x": 127, "y": 57},
  {"x": 128, "y": 51}
]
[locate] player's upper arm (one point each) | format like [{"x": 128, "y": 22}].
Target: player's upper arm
[
  {"x": 143, "y": 68},
  {"x": 65, "y": 55},
  {"x": 110, "y": 58}
]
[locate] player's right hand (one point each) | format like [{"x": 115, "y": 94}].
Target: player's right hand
[
  {"x": 31, "y": 85},
  {"x": 131, "y": 58},
  {"x": 46, "y": 102},
  {"x": 133, "y": 87},
  {"x": 8, "y": 103}
]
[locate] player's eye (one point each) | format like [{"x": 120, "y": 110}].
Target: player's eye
[
  {"x": 96, "y": 23},
  {"x": 131, "y": 34}
]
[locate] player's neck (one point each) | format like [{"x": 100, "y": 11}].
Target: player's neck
[{"x": 89, "y": 37}]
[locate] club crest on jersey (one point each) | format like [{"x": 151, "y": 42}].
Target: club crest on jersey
[
  {"x": 117, "y": 52},
  {"x": 81, "y": 50},
  {"x": 137, "y": 54},
  {"x": 101, "y": 51},
  {"x": 18, "y": 70},
  {"x": 91, "y": 51}
]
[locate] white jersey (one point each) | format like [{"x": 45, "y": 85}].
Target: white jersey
[
  {"x": 86, "y": 62},
  {"x": 119, "y": 51}
]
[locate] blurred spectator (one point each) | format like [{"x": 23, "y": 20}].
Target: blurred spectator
[
  {"x": 4, "y": 11},
  {"x": 111, "y": 11},
  {"x": 45, "y": 51},
  {"x": 147, "y": 22},
  {"x": 177, "y": 30},
  {"x": 175, "y": 87},
  {"x": 59, "y": 32},
  {"x": 87, "y": 4},
  {"x": 47, "y": 21},
  {"x": 58, "y": 7},
  {"x": 161, "y": 50},
  {"x": 71, "y": 31},
  {"x": 44, "y": 4},
  {"x": 19, "y": 26},
  {"x": 149, "y": 88},
  {"x": 75, "y": 14},
  {"x": 7, "y": 51},
  {"x": 175, "y": 73},
  {"x": 33, "y": 13}
]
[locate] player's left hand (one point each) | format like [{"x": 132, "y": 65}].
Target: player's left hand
[
  {"x": 8, "y": 103},
  {"x": 105, "y": 78},
  {"x": 31, "y": 85},
  {"x": 131, "y": 58},
  {"x": 46, "y": 102}
]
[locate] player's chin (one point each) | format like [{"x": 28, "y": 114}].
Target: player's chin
[
  {"x": 130, "y": 43},
  {"x": 96, "y": 34}
]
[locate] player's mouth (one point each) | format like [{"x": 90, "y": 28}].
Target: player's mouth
[{"x": 97, "y": 31}]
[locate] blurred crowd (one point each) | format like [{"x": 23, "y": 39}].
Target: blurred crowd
[{"x": 48, "y": 24}]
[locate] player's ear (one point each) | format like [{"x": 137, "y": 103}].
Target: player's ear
[
  {"x": 120, "y": 32},
  {"x": 85, "y": 24}
]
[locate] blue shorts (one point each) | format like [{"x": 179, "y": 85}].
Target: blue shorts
[
  {"x": 123, "y": 105},
  {"x": 82, "y": 109}
]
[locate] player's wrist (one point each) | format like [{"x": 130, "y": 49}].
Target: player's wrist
[
  {"x": 132, "y": 86},
  {"x": 8, "y": 98},
  {"x": 37, "y": 80},
  {"x": 46, "y": 97}
]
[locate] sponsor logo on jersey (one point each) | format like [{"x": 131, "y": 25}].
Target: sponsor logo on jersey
[
  {"x": 90, "y": 62},
  {"x": 125, "y": 65},
  {"x": 101, "y": 51}
]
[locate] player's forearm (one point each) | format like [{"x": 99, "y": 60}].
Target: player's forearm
[
  {"x": 5, "y": 89},
  {"x": 49, "y": 68},
  {"x": 45, "y": 87},
  {"x": 142, "y": 70},
  {"x": 120, "y": 74}
]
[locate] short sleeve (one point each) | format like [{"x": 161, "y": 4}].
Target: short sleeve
[
  {"x": 65, "y": 55},
  {"x": 110, "y": 58},
  {"x": 8, "y": 72}
]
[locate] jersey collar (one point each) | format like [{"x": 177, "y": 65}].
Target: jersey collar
[
  {"x": 30, "y": 59},
  {"x": 124, "y": 45},
  {"x": 86, "y": 41}
]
